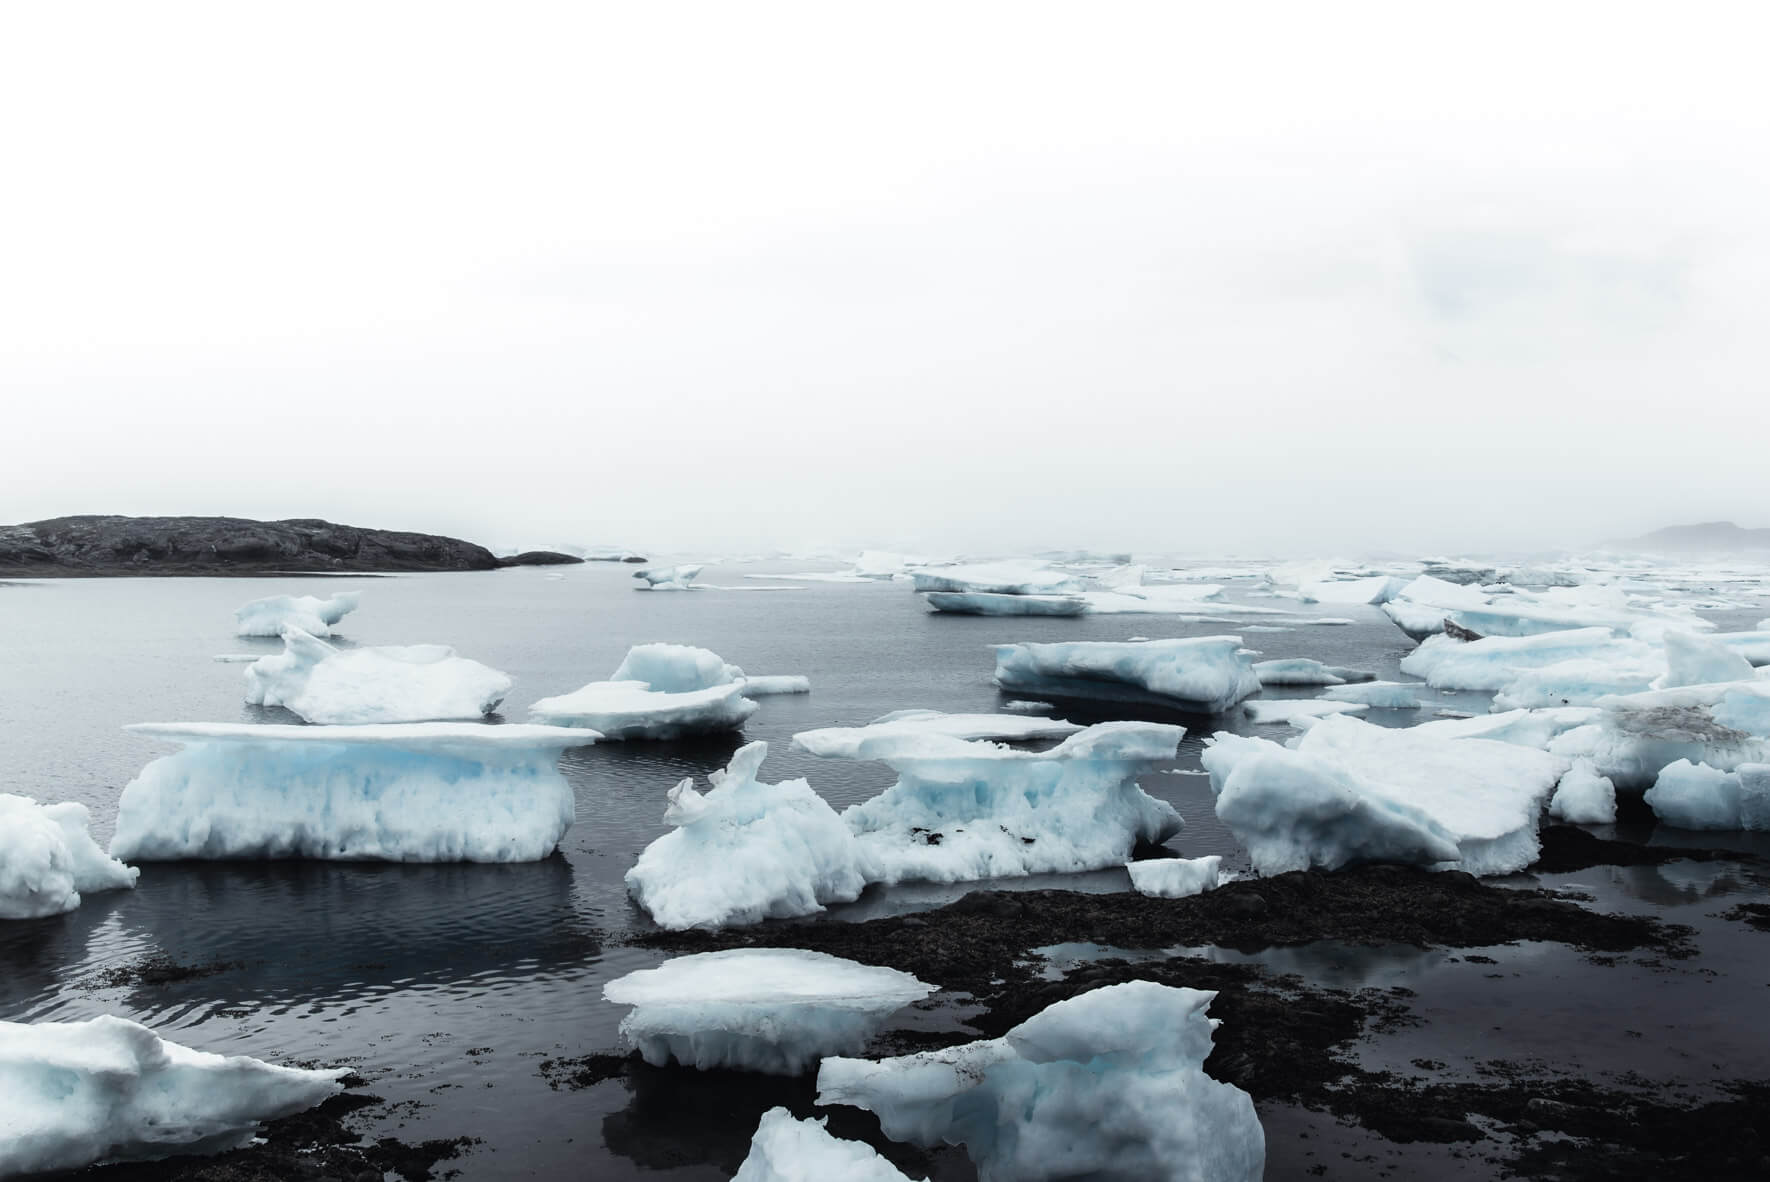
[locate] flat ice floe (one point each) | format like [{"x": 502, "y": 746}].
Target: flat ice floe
[
  {"x": 1175, "y": 878},
  {"x": 789, "y": 1150},
  {"x": 1493, "y": 663},
  {"x": 1352, "y": 792},
  {"x": 1379, "y": 695},
  {"x": 856, "y": 742},
  {"x": 1108, "y": 1085},
  {"x": 664, "y": 691},
  {"x": 48, "y": 859},
  {"x": 407, "y": 792},
  {"x": 108, "y": 1089},
  {"x": 1274, "y": 711},
  {"x": 1206, "y": 674},
  {"x": 773, "y": 1010},
  {"x": 1372, "y": 590},
  {"x": 1303, "y": 671},
  {"x": 315, "y": 616},
  {"x": 393, "y": 683},
  {"x": 986, "y": 603},
  {"x": 998, "y": 578}
]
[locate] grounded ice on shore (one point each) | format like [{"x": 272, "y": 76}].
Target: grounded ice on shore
[
  {"x": 315, "y": 616},
  {"x": 1697, "y": 796},
  {"x": 408, "y": 792},
  {"x": 1207, "y": 674},
  {"x": 1353, "y": 792},
  {"x": 1107, "y": 1085},
  {"x": 970, "y": 810},
  {"x": 774, "y": 1010},
  {"x": 48, "y": 859},
  {"x": 1584, "y": 797},
  {"x": 1175, "y": 878},
  {"x": 986, "y": 603},
  {"x": 392, "y": 683},
  {"x": 852, "y": 742},
  {"x": 664, "y": 691},
  {"x": 745, "y": 851},
  {"x": 788, "y": 1150},
  {"x": 107, "y": 1089},
  {"x": 1303, "y": 671}
]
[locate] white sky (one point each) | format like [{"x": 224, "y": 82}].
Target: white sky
[{"x": 1238, "y": 278}]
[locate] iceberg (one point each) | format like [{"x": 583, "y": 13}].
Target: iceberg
[
  {"x": 1723, "y": 725},
  {"x": 1492, "y": 663},
  {"x": 315, "y": 616},
  {"x": 664, "y": 691},
  {"x": 985, "y": 603},
  {"x": 1175, "y": 878},
  {"x": 998, "y": 578},
  {"x": 108, "y": 1089},
  {"x": 1578, "y": 682},
  {"x": 1527, "y": 728},
  {"x": 854, "y": 742},
  {"x": 1695, "y": 660},
  {"x": 788, "y": 1150},
  {"x": 1697, "y": 796},
  {"x": 668, "y": 578},
  {"x": 772, "y": 1010},
  {"x": 406, "y": 792},
  {"x": 675, "y": 668},
  {"x": 969, "y": 810},
  {"x": 48, "y": 858},
  {"x": 1379, "y": 695},
  {"x": 1109, "y": 1085},
  {"x": 1278, "y": 711},
  {"x": 1584, "y": 797},
  {"x": 1206, "y": 674},
  {"x": 745, "y": 851},
  {"x": 1352, "y": 792},
  {"x": 1303, "y": 671},
  {"x": 392, "y": 683}
]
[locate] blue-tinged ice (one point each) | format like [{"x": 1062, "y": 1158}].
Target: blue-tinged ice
[
  {"x": 390, "y": 683},
  {"x": 48, "y": 859},
  {"x": 1206, "y": 674},
  {"x": 989, "y": 603},
  {"x": 999, "y": 578},
  {"x": 407, "y": 792},
  {"x": 1379, "y": 695},
  {"x": 315, "y": 616},
  {"x": 665, "y": 691},
  {"x": 789, "y": 1150},
  {"x": 1584, "y": 797},
  {"x": 1577, "y": 682},
  {"x": 1492, "y": 663},
  {"x": 855, "y": 742},
  {"x": 1303, "y": 671},
  {"x": 1175, "y": 878},
  {"x": 773, "y": 1010},
  {"x": 1698, "y": 660},
  {"x": 108, "y": 1089},
  {"x": 668, "y": 578},
  {"x": 1109, "y": 1086},
  {"x": 1697, "y": 796}
]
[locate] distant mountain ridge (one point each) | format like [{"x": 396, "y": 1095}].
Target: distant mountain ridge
[
  {"x": 111, "y": 545},
  {"x": 1708, "y": 537}
]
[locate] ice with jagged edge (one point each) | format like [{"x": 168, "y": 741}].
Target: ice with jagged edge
[
  {"x": 773, "y": 1010},
  {"x": 1353, "y": 792},
  {"x": 1107, "y": 1085},
  {"x": 311, "y": 614},
  {"x": 1696, "y": 796},
  {"x": 998, "y": 578},
  {"x": 1584, "y": 797},
  {"x": 1297, "y": 712},
  {"x": 1493, "y": 663},
  {"x": 1175, "y": 878},
  {"x": 1700, "y": 660},
  {"x": 1421, "y": 607},
  {"x": 788, "y": 1150},
  {"x": 668, "y": 578},
  {"x": 1206, "y": 674},
  {"x": 48, "y": 859},
  {"x": 1577, "y": 682},
  {"x": 1527, "y": 728},
  {"x": 1378, "y": 695},
  {"x": 1304, "y": 671},
  {"x": 854, "y": 742},
  {"x": 1635, "y": 735},
  {"x": 108, "y": 1089},
  {"x": 969, "y": 810},
  {"x": 389, "y": 683},
  {"x": 665, "y": 691},
  {"x": 401, "y": 792},
  {"x": 989, "y": 603},
  {"x": 745, "y": 851}
]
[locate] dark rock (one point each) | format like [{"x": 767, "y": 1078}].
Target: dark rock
[
  {"x": 540, "y": 558},
  {"x": 1456, "y": 631}
]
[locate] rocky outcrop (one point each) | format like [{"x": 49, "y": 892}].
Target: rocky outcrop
[
  {"x": 539, "y": 558},
  {"x": 223, "y": 546}
]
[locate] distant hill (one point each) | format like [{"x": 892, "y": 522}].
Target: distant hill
[
  {"x": 1709, "y": 537},
  {"x": 223, "y": 546}
]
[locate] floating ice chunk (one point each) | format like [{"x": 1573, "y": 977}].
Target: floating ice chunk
[
  {"x": 1207, "y": 673},
  {"x": 1175, "y": 878},
  {"x": 1526, "y": 728},
  {"x": 269, "y": 616},
  {"x": 394, "y": 683},
  {"x": 1418, "y": 620},
  {"x": 1278, "y": 711},
  {"x": 776, "y": 683},
  {"x": 1722, "y": 725},
  {"x": 668, "y": 578},
  {"x": 675, "y": 668},
  {"x": 1380, "y": 695},
  {"x": 998, "y": 578},
  {"x": 48, "y": 859},
  {"x": 1303, "y": 671},
  {"x": 1578, "y": 682},
  {"x": 629, "y": 710},
  {"x": 408, "y": 792},
  {"x": 984, "y": 603},
  {"x": 1376, "y": 589},
  {"x": 774, "y": 1010},
  {"x": 852, "y": 742},
  {"x": 969, "y": 810},
  {"x": 1584, "y": 797},
  {"x": 109, "y": 1089},
  {"x": 1492, "y": 663},
  {"x": 1355, "y": 792},
  {"x": 1109, "y": 1085},
  {"x": 1183, "y": 599},
  {"x": 746, "y": 851},
  {"x": 788, "y": 1150},
  {"x": 1697, "y": 796},
  {"x": 1694, "y": 660},
  {"x": 1016, "y": 706}
]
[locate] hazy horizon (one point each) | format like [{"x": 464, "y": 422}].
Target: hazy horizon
[{"x": 977, "y": 278}]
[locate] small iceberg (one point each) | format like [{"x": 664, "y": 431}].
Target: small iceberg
[
  {"x": 48, "y": 859},
  {"x": 389, "y": 683},
  {"x": 1206, "y": 674},
  {"x": 789, "y": 1150},
  {"x": 855, "y": 742},
  {"x": 1175, "y": 878},
  {"x": 668, "y": 578},
  {"x": 315, "y": 616},
  {"x": 665, "y": 691}
]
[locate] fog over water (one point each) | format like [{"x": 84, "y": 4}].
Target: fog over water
[{"x": 989, "y": 277}]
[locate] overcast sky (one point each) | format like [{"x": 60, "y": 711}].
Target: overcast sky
[{"x": 1251, "y": 278}]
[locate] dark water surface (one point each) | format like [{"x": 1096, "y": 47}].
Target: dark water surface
[{"x": 446, "y": 985}]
